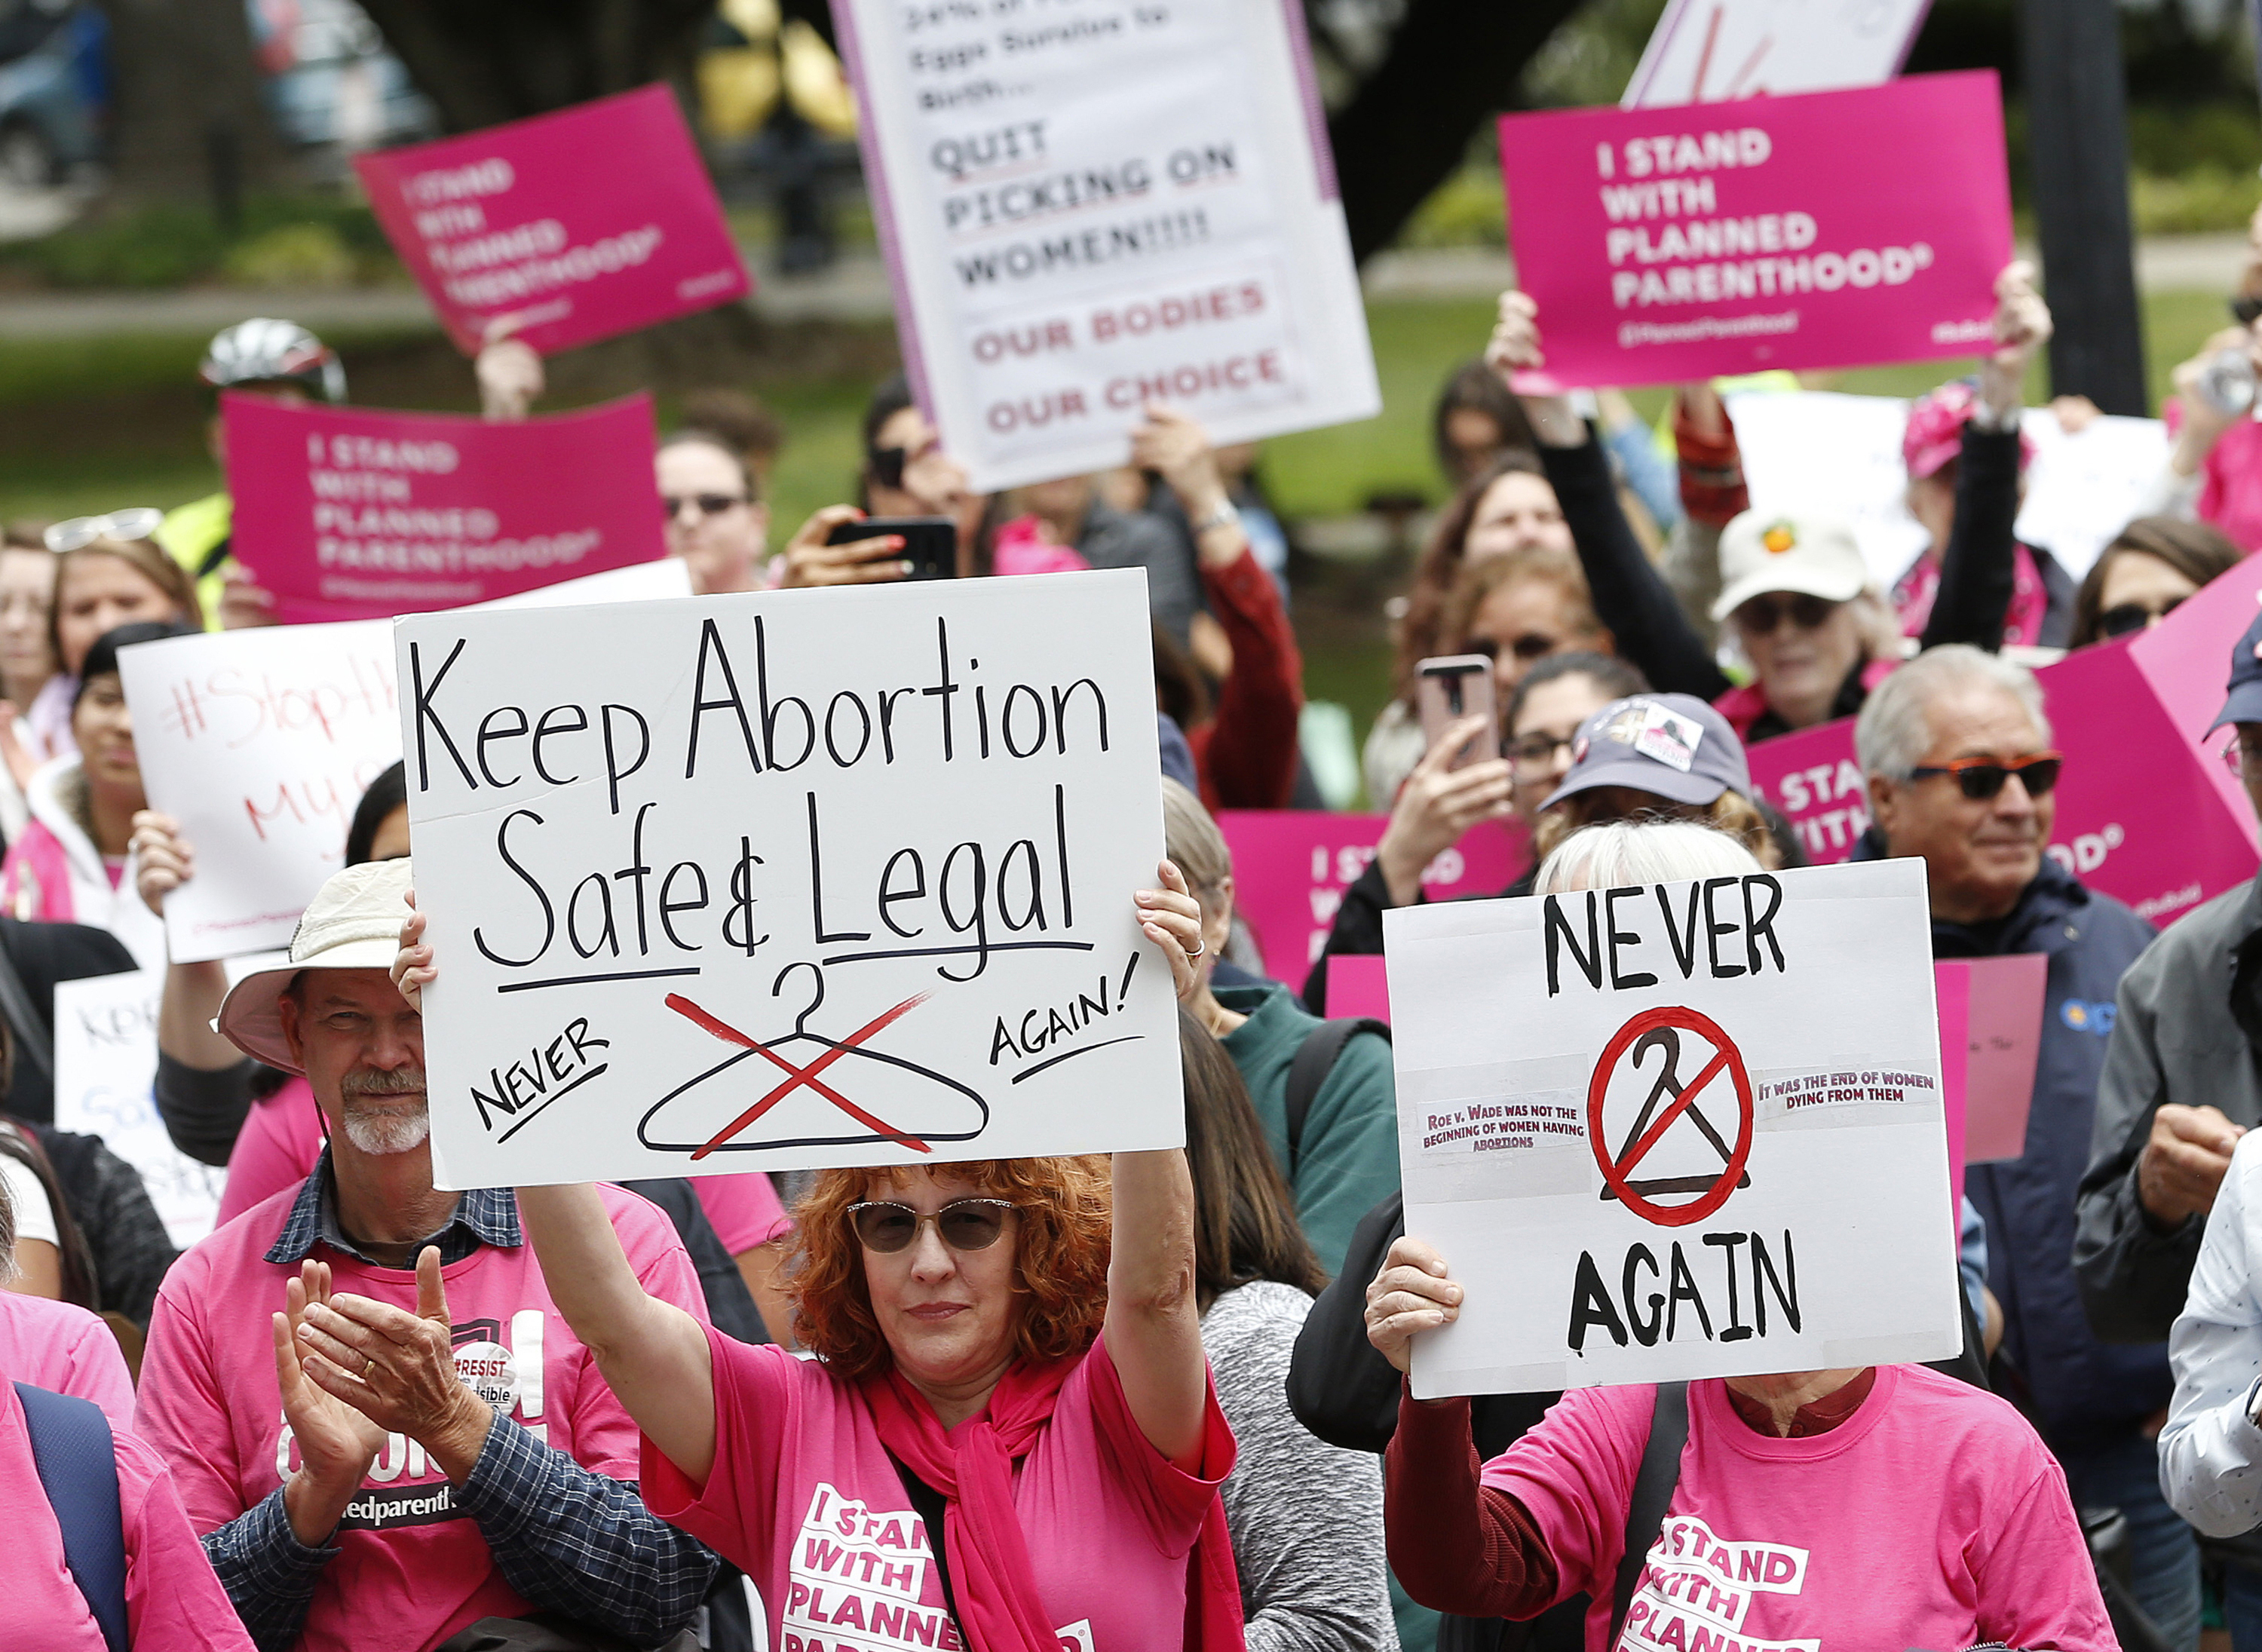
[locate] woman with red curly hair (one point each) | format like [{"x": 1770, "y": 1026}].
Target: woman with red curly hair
[{"x": 1008, "y": 1440}]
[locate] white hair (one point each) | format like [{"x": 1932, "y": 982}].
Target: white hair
[
  {"x": 1619, "y": 853},
  {"x": 1893, "y": 731}
]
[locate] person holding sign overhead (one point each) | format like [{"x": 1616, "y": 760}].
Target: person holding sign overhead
[
  {"x": 1777, "y": 572},
  {"x": 1956, "y": 751},
  {"x": 1010, "y": 1429},
  {"x": 1881, "y": 1506}
]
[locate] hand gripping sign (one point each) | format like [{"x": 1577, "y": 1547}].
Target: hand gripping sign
[
  {"x": 789, "y": 879},
  {"x": 1676, "y": 1130}
]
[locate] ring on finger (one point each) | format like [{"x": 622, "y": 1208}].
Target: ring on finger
[
  {"x": 368, "y": 1367},
  {"x": 1196, "y": 952}
]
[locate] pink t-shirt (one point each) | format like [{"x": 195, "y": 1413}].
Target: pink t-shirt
[
  {"x": 410, "y": 1562},
  {"x": 2230, "y": 492},
  {"x": 61, "y": 1347},
  {"x": 1932, "y": 1516},
  {"x": 173, "y": 1602},
  {"x": 806, "y": 1501},
  {"x": 282, "y": 1138}
]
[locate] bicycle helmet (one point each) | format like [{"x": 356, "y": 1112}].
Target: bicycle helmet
[{"x": 263, "y": 351}]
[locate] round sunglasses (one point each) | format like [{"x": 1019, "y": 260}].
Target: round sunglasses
[
  {"x": 1982, "y": 778},
  {"x": 963, "y": 1224}
]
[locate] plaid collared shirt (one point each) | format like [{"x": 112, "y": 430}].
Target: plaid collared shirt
[{"x": 566, "y": 1539}]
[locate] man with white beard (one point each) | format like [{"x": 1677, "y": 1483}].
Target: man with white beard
[{"x": 416, "y": 1441}]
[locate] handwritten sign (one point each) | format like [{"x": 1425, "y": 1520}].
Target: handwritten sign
[
  {"x": 577, "y": 226},
  {"x": 2145, "y": 811},
  {"x": 105, "y": 1063},
  {"x": 1827, "y": 230},
  {"x": 346, "y": 513},
  {"x": 790, "y": 879},
  {"x": 1291, "y": 866},
  {"x": 1821, "y": 452},
  {"x": 1706, "y": 51},
  {"x": 1642, "y": 1130},
  {"x": 1084, "y": 214},
  {"x": 260, "y": 743}
]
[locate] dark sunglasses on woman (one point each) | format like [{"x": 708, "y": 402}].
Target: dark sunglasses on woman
[
  {"x": 1983, "y": 777},
  {"x": 2130, "y": 617},
  {"x": 964, "y": 1224},
  {"x": 1763, "y": 614},
  {"x": 1528, "y": 647}
]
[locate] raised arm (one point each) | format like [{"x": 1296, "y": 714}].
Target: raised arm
[
  {"x": 1153, "y": 1327},
  {"x": 1631, "y": 596},
  {"x": 653, "y": 1355}
]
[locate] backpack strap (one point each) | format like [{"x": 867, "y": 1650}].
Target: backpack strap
[
  {"x": 1315, "y": 1059},
  {"x": 77, "y": 1461},
  {"x": 1652, "y": 1490}
]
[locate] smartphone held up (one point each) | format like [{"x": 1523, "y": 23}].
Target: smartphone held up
[{"x": 1449, "y": 688}]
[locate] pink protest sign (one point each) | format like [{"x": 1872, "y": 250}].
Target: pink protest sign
[
  {"x": 2146, "y": 810},
  {"x": 1828, "y": 230},
  {"x": 1358, "y": 984},
  {"x": 1291, "y": 866},
  {"x": 348, "y": 514},
  {"x": 1991, "y": 1036},
  {"x": 576, "y": 226}
]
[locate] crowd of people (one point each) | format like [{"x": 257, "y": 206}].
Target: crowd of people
[{"x": 1155, "y": 1399}]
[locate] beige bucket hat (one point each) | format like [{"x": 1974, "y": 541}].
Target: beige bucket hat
[{"x": 353, "y": 923}]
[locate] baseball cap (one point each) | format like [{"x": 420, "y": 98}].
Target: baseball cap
[
  {"x": 1934, "y": 432},
  {"x": 1773, "y": 551},
  {"x": 1673, "y": 744},
  {"x": 353, "y": 923},
  {"x": 2244, "y": 703}
]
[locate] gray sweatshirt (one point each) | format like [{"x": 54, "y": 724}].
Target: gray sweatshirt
[{"x": 1306, "y": 1518}]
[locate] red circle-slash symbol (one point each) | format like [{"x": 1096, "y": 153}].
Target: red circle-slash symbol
[{"x": 1662, "y": 1029}]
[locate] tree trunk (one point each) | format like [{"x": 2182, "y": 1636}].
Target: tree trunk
[
  {"x": 1450, "y": 66},
  {"x": 189, "y": 122},
  {"x": 485, "y": 62}
]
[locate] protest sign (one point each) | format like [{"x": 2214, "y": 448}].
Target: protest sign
[
  {"x": 347, "y": 514},
  {"x": 105, "y": 1063},
  {"x": 1704, "y": 51},
  {"x": 1822, "y": 453},
  {"x": 1085, "y": 214},
  {"x": 1991, "y": 1036},
  {"x": 790, "y": 879},
  {"x": 1675, "y": 1131},
  {"x": 260, "y": 742},
  {"x": 2146, "y": 810},
  {"x": 1291, "y": 866},
  {"x": 1831, "y": 229},
  {"x": 1358, "y": 984},
  {"x": 571, "y": 226}
]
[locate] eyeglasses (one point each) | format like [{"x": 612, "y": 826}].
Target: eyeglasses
[
  {"x": 1527, "y": 648},
  {"x": 1763, "y": 614},
  {"x": 139, "y": 522},
  {"x": 705, "y": 504},
  {"x": 2118, "y": 622},
  {"x": 1536, "y": 748},
  {"x": 963, "y": 1224},
  {"x": 1983, "y": 777}
]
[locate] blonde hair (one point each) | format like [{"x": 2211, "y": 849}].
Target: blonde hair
[
  {"x": 1617, "y": 852},
  {"x": 1730, "y": 815},
  {"x": 1191, "y": 839}
]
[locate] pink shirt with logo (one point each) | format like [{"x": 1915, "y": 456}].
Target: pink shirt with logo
[
  {"x": 282, "y": 1138},
  {"x": 806, "y": 1500},
  {"x": 410, "y": 1563},
  {"x": 173, "y": 1602},
  {"x": 1933, "y": 1516},
  {"x": 62, "y": 1347}
]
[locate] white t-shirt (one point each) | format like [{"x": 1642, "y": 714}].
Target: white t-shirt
[{"x": 27, "y": 1197}]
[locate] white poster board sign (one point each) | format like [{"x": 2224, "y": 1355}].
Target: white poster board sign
[
  {"x": 261, "y": 742},
  {"x": 1676, "y": 1131},
  {"x": 1839, "y": 455},
  {"x": 1707, "y": 51},
  {"x": 105, "y": 1063},
  {"x": 789, "y": 879},
  {"x": 1082, "y": 214}
]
